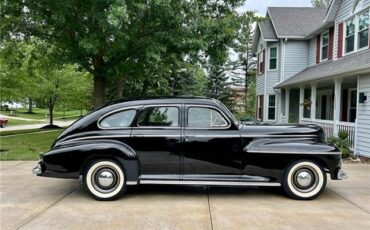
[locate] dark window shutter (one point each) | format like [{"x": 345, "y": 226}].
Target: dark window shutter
[
  {"x": 262, "y": 106},
  {"x": 258, "y": 63},
  {"x": 263, "y": 61},
  {"x": 340, "y": 40},
  {"x": 331, "y": 43},
  {"x": 318, "y": 46}
]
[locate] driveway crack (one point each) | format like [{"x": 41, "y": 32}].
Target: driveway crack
[
  {"x": 349, "y": 201},
  {"x": 47, "y": 208},
  {"x": 209, "y": 208}
]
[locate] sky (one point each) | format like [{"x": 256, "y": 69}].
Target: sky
[{"x": 260, "y": 6}]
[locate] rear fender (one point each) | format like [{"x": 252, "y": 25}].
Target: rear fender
[{"x": 71, "y": 158}]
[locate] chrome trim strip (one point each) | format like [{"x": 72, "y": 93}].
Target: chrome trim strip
[
  {"x": 131, "y": 182},
  {"x": 223, "y": 183},
  {"x": 272, "y": 135},
  {"x": 156, "y": 135},
  {"x": 92, "y": 138},
  {"x": 211, "y": 135},
  {"x": 289, "y": 152}
]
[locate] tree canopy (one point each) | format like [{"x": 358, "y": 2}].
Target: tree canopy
[{"x": 128, "y": 45}]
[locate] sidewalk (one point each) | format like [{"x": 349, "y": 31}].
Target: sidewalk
[{"x": 37, "y": 126}]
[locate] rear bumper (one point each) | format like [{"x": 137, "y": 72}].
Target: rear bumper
[
  {"x": 42, "y": 170},
  {"x": 340, "y": 174}
]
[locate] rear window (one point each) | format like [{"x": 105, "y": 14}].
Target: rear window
[{"x": 118, "y": 120}]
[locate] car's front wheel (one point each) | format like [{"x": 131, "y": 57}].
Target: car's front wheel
[
  {"x": 105, "y": 180},
  {"x": 3, "y": 125},
  {"x": 304, "y": 180}
]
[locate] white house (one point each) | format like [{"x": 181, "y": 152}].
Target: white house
[{"x": 314, "y": 67}]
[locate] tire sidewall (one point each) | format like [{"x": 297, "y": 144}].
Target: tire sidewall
[
  {"x": 295, "y": 194},
  {"x": 121, "y": 189}
]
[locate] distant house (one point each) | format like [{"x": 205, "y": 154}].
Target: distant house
[{"x": 314, "y": 67}]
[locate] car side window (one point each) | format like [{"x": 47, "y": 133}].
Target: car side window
[
  {"x": 159, "y": 117},
  {"x": 118, "y": 120},
  {"x": 205, "y": 118}
]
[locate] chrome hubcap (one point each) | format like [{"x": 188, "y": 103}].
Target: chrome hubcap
[
  {"x": 304, "y": 178},
  {"x": 106, "y": 178}
]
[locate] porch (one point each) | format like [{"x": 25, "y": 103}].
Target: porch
[{"x": 331, "y": 104}]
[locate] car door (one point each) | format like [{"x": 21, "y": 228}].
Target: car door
[
  {"x": 211, "y": 149},
  {"x": 156, "y": 138}
]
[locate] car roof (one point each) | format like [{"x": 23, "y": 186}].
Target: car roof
[{"x": 164, "y": 100}]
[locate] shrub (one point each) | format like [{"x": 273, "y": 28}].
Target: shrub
[{"x": 341, "y": 142}]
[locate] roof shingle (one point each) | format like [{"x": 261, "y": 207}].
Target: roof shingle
[
  {"x": 349, "y": 64},
  {"x": 296, "y": 21}
]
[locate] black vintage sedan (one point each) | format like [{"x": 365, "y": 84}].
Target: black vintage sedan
[{"x": 188, "y": 141}]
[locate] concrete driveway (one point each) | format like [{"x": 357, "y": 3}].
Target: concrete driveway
[{"x": 30, "y": 202}]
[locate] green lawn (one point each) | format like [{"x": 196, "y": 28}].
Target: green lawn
[
  {"x": 26, "y": 146},
  {"x": 41, "y": 113}
]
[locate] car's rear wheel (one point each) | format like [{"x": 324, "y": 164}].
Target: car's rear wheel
[
  {"x": 3, "y": 125},
  {"x": 304, "y": 180},
  {"x": 105, "y": 180}
]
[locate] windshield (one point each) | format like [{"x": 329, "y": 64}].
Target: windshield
[{"x": 228, "y": 112}]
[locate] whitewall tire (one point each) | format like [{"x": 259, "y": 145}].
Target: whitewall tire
[
  {"x": 105, "y": 180},
  {"x": 304, "y": 180}
]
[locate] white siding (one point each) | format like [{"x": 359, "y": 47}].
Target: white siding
[
  {"x": 296, "y": 53},
  {"x": 363, "y": 119},
  {"x": 312, "y": 51}
]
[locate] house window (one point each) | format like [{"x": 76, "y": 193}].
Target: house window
[
  {"x": 261, "y": 62},
  {"x": 363, "y": 30},
  {"x": 271, "y": 109},
  {"x": 324, "y": 45},
  {"x": 350, "y": 35},
  {"x": 273, "y": 58},
  {"x": 357, "y": 32}
]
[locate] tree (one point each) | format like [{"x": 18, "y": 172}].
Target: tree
[
  {"x": 18, "y": 81},
  {"x": 113, "y": 39},
  {"x": 321, "y": 3},
  {"x": 242, "y": 69}
]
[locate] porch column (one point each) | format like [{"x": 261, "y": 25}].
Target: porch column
[
  {"x": 337, "y": 96},
  {"x": 287, "y": 93},
  {"x": 301, "y": 101},
  {"x": 313, "y": 101}
]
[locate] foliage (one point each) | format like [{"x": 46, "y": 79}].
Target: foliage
[
  {"x": 341, "y": 142},
  {"x": 242, "y": 69},
  {"x": 321, "y": 3},
  {"x": 31, "y": 71},
  {"x": 131, "y": 48}
]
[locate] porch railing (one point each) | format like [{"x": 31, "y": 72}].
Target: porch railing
[{"x": 328, "y": 127}]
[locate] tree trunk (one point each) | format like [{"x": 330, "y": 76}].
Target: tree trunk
[
  {"x": 119, "y": 94},
  {"x": 81, "y": 112},
  {"x": 99, "y": 90},
  {"x": 51, "y": 107},
  {"x": 30, "y": 103}
]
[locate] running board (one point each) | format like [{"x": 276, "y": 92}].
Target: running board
[{"x": 221, "y": 183}]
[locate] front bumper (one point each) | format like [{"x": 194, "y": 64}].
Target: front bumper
[
  {"x": 341, "y": 175},
  {"x": 39, "y": 169}
]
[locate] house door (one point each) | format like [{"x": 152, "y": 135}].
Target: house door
[
  {"x": 352, "y": 101},
  {"x": 325, "y": 105}
]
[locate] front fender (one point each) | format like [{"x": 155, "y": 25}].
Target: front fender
[
  {"x": 278, "y": 153},
  {"x": 68, "y": 160}
]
